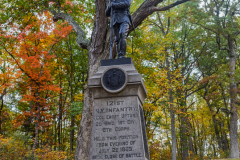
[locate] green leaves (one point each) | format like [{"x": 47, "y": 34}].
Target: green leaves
[{"x": 76, "y": 108}]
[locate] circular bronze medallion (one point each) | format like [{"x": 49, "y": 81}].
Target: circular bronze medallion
[{"x": 114, "y": 80}]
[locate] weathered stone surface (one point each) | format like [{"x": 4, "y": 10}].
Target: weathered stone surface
[
  {"x": 134, "y": 82},
  {"x": 118, "y": 128}
]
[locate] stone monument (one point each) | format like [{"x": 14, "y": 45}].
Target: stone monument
[{"x": 118, "y": 127}]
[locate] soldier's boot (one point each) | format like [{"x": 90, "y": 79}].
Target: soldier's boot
[{"x": 122, "y": 46}]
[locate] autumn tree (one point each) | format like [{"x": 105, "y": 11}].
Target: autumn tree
[
  {"x": 7, "y": 79},
  {"x": 30, "y": 54},
  {"x": 225, "y": 27}
]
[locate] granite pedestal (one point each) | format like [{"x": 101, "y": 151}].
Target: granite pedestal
[{"x": 118, "y": 128}]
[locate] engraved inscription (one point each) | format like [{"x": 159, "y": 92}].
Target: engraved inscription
[{"x": 116, "y": 132}]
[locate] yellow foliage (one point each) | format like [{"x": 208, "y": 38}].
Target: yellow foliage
[
  {"x": 47, "y": 154},
  {"x": 11, "y": 149},
  {"x": 14, "y": 149},
  {"x": 79, "y": 97},
  {"x": 157, "y": 151}
]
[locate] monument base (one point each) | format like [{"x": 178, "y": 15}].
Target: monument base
[{"x": 118, "y": 128}]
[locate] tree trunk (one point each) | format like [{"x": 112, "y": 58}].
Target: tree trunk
[
  {"x": 55, "y": 135},
  {"x": 190, "y": 140},
  {"x": 1, "y": 108},
  {"x": 172, "y": 114},
  {"x": 184, "y": 133},
  {"x": 199, "y": 141},
  {"x": 0, "y": 122},
  {"x": 201, "y": 133},
  {"x": 184, "y": 125},
  {"x": 72, "y": 133},
  {"x": 234, "y": 148},
  {"x": 97, "y": 51},
  {"x": 36, "y": 131},
  {"x": 60, "y": 113},
  {"x": 188, "y": 127},
  {"x": 173, "y": 131},
  {"x": 72, "y": 99},
  {"x": 84, "y": 133},
  {"x": 194, "y": 137},
  {"x": 215, "y": 125},
  {"x": 224, "y": 139}
]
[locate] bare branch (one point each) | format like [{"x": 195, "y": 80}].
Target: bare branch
[
  {"x": 237, "y": 33},
  {"x": 81, "y": 40},
  {"x": 169, "y": 6},
  {"x": 225, "y": 48},
  {"x": 162, "y": 27},
  {"x": 148, "y": 7},
  {"x": 19, "y": 65}
]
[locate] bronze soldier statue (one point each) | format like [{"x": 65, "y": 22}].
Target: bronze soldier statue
[{"x": 120, "y": 20}]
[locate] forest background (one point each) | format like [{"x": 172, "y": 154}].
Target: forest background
[{"x": 188, "y": 56}]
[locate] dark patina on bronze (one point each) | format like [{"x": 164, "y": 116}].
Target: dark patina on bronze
[
  {"x": 114, "y": 80},
  {"x": 121, "y": 19}
]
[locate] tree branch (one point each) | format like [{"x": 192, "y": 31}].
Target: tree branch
[
  {"x": 44, "y": 60},
  {"x": 169, "y": 6},
  {"x": 81, "y": 40},
  {"x": 19, "y": 65},
  {"x": 148, "y": 7},
  {"x": 59, "y": 5}
]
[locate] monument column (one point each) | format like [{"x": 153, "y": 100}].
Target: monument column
[{"x": 118, "y": 127}]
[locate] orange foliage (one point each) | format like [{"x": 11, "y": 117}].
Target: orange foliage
[{"x": 30, "y": 51}]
